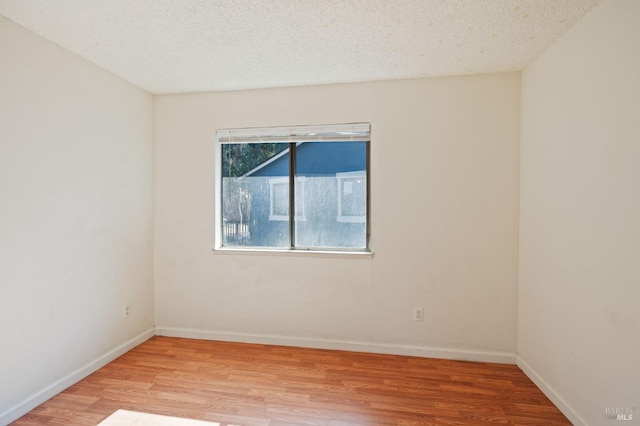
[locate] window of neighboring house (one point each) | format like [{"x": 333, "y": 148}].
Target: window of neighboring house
[
  {"x": 352, "y": 193},
  {"x": 294, "y": 188},
  {"x": 279, "y": 198}
]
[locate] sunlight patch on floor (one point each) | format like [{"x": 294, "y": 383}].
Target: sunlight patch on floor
[{"x": 134, "y": 418}]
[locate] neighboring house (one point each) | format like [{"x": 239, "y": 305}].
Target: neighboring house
[{"x": 330, "y": 198}]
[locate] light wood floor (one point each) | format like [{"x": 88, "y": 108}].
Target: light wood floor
[{"x": 245, "y": 384}]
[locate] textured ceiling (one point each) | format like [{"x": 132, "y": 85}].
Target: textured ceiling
[{"x": 172, "y": 46}]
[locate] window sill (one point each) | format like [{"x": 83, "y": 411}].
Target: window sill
[{"x": 304, "y": 253}]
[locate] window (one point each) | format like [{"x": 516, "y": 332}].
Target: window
[
  {"x": 279, "y": 199},
  {"x": 294, "y": 188},
  {"x": 352, "y": 191}
]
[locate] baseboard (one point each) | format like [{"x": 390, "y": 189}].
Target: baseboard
[
  {"x": 50, "y": 391},
  {"x": 550, "y": 393},
  {"x": 391, "y": 349}
]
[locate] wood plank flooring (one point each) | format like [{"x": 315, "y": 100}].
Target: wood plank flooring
[{"x": 247, "y": 384}]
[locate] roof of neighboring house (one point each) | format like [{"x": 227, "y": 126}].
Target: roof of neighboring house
[{"x": 316, "y": 159}]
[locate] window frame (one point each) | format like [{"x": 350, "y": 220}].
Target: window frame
[
  {"x": 299, "y": 186},
  {"x": 342, "y": 178},
  {"x": 350, "y": 132}
]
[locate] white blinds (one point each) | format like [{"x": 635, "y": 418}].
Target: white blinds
[{"x": 312, "y": 133}]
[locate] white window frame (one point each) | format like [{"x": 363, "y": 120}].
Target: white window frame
[
  {"x": 300, "y": 210},
  {"x": 350, "y": 132},
  {"x": 341, "y": 178}
]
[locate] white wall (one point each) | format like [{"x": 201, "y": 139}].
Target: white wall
[
  {"x": 75, "y": 217},
  {"x": 444, "y": 179},
  {"x": 579, "y": 295}
]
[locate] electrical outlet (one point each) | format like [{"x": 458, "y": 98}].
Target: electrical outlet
[{"x": 418, "y": 314}]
